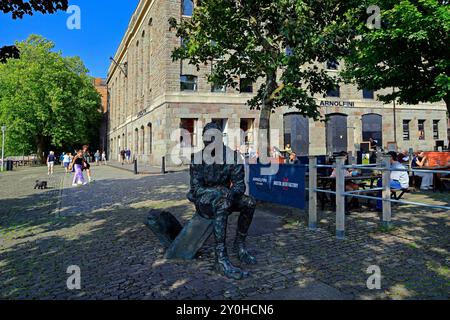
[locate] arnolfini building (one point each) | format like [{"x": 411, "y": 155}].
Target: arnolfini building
[{"x": 151, "y": 97}]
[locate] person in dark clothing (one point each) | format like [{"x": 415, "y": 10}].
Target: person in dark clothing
[{"x": 86, "y": 165}]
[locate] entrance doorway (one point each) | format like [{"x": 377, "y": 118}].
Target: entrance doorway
[
  {"x": 336, "y": 130},
  {"x": 296, "y": 133}
]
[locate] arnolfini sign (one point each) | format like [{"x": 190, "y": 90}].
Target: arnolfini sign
[{"x": 337, "y": 103}]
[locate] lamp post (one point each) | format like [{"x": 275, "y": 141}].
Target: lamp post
[{"x": 3, "y": 146}]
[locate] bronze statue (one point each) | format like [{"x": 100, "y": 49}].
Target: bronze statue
[{"x": 217, "y": 189}]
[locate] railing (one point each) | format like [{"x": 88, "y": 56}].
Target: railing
[{"x": 340, "y": 192}]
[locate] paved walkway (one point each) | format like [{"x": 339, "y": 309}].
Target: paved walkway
[
  {"x": 145, "y": 168},
  {"x": 100, "y": 228}
]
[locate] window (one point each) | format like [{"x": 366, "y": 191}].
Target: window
[
  {"x": 368, "y": 94},
  {"x": 334, "y": 93},
  {"x": 246, "y": 126},
  {"x": 188, "y": 136},
  {"x": 188, "y": 8},
  {"x": 421, "y": 128},
  {"x": 245, "y": 86},
  {"x": 332, "y": 64},
  {"x": 188, "y": 83},
  {"x": 372, "y": 127},
  {"x": 217, "y": 88},
  {"x": 435, "y": 129},
  {"x": 406, "y": 130},
  {"x": 289, "y": 52},
  {"x": 150, "y": 138}
]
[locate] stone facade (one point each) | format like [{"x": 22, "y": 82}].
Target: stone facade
[
  {"x": 147, "y": 106},
  {"x": 102, "y": 88}
]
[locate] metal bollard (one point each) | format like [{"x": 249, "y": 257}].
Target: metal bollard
[
  {"x": 312, "y": 193},
  {"x": 135, "y": 166},
  {"x": 340, "y": 199},
  {"x": 163, "y": 165},
  {"x": 386, "y": 217}
]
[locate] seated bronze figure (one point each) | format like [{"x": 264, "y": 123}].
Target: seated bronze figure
[{"x": 217, "y": 189}]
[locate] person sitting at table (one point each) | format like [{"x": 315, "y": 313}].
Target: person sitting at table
[
  {"x": 293, "y": 158},
  {"x": 287, "y": 148},
  {"x": 349, "y": 184},
  {"x": 398, "y": 179},
  {"x": 420, "y": 161}
]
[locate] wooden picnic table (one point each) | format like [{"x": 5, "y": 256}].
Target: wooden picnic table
[
  {"x": 329, "y": 183},
  {"x": 437, "y": 182}
]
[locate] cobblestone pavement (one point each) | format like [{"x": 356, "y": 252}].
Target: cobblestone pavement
[{"x": 100, "y": 228}]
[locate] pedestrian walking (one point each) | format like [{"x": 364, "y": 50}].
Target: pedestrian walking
[
  {"x": 86, "y": 165},
  {"x": 122, "y": 155},
  {"x": 77, "y": 164},
  {"x": 104, "y": 157},
  {"x": 97, "y": 157},
  {"x": 66, "y": 161},
  {"x": 50, "y": 162},
  {"x": 128, "y": 154}
]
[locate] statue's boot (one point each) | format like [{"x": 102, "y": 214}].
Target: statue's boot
[
  {"x": 240, "y": 249},
  {"x": 224, "y": 266}
]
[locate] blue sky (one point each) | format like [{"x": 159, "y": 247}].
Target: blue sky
[{"x": 103, "y": 23}]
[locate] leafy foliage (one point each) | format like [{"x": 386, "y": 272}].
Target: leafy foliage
[
  {"x": 19, "y": 8},
  {"x": 280, "y": 41},
  {"x": 46, "y": 100},
  {"x": 410, "y": 52}
]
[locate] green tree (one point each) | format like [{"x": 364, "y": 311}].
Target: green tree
[
  {"x": 46, "y": 99},
  {"x": 409, "y": 51},
  {"x": 280, "y": 41}
]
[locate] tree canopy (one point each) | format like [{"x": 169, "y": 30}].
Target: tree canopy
[
  {"x": 280, "y": 41},
  {"x": 19, "y": 8},
  {"x": 46, "y": 99},
  {"x": 409, "y": 52}
]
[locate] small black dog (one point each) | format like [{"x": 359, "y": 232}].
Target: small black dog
[{"x": 41, "y": 184}]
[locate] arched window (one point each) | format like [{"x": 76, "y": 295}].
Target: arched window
[
  {"x": 142, "y": 140},
  {"x": 187, "y": 8},
  {"x": 150, "y": 137},
  {"x": 296, "y": 132},
  {"x": 372, "y": 127},
  {"x": 336, "y": 130}
]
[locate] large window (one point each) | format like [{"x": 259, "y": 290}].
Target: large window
[
  {"x": 189, "y": 132},
  {"x": 296, "y": 133},
  {"x": 335, "y": 92},
  {"x": 368, "y": 94},
  {"x": 421, "y": 129},
  {"x": 245, "y": 86},
  {"x": 188, "y": 83},
  {"x": 435, "y": 129},
  {"x": 188, "y": 7},
  {"x": 150, "y": 138},
  {"x": 217, "y": 88},
  {"x": 336, "y": 130},
  {"x": 246, "y": 126},
  {"x": 372, "y": 127},
  {"x": 406, "y": 130}
]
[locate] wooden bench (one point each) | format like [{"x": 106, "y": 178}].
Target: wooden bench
[{"x": 401, "y": 192}]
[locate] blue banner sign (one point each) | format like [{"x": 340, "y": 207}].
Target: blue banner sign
[{"x": 286, "y": 186}]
